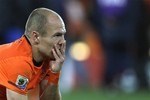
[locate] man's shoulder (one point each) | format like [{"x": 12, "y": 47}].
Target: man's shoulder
[{"x": 19, "y": 47}]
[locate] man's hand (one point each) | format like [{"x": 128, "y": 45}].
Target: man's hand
[{"x": 59, "y": 55}]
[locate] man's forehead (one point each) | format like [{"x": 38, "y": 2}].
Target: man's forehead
[
  {"x": 56, "y": 24},
  {"x": 55, "y": 18},
  {"x": 64, "y": 29},
  {"x": 61, "y": 30}
]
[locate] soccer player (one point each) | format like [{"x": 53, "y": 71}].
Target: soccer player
[{"x": 30, "y": 66}]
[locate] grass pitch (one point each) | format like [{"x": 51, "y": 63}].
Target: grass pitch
[{"x": 85, "y": 94}]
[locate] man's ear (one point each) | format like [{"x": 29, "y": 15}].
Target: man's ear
[{"x": 35, "y": 37}]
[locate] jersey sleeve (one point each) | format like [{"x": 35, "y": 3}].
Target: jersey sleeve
[
  {"x": 52, "y": 77},
  {"x": 15, "y": 74}
]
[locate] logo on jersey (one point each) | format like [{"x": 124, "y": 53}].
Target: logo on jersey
[{"x": 22, "y": 82}]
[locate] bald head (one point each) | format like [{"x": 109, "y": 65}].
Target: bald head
[{"x": 39, "y": 19}]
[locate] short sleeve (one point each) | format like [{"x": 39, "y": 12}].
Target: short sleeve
[
  {"x": 52, "y": 77},
  {"x": 15, "y": 74}
]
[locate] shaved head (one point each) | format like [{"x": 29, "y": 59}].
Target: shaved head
[
  {"x": 38, "y": 20},
  {"x": 45, "y": 29}
]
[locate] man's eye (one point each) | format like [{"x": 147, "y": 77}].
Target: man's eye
[{"x": 59, "y": 35}]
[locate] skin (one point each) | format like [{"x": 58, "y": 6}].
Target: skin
[{"x": 49, "y": 46}]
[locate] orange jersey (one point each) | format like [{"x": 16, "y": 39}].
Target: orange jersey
[{"x": 17, "y": 71}]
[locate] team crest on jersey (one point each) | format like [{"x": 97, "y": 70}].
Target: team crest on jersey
[{"x": 22, "y": 82}]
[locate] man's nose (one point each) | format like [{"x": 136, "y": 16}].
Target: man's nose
[{"x": 62, "y": 40}]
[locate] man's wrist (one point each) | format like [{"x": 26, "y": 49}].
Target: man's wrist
[
  {"x": 55, "y": 72},
  {"x": 53, "y": 77}
]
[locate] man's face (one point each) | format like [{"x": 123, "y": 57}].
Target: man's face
[{"x": 54, "y": 36}]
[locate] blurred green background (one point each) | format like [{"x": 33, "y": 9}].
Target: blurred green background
[{"x": 84, "y": 94}]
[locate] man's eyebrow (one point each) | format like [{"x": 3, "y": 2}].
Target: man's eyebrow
[{"x": 60, "y": 33}]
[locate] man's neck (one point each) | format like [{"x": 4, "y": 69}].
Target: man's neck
[{"x": 36, "y": 55}]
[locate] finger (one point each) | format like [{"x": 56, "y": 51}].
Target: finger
[
  {"x": 63, "y": 47},
  {"x": 55, "y": 55},
  {"x": 59, "y": 54}
]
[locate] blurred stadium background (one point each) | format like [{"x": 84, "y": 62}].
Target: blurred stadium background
[{"x": 107, "y": 56}]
